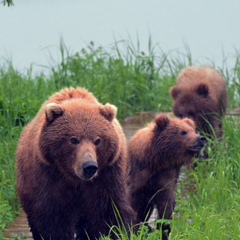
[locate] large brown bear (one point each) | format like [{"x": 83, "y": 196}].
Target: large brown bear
[
  {"x": 201, "y": 94},
  {"x": 71, "y": 168},
  {"x": 156, "y": 155}
]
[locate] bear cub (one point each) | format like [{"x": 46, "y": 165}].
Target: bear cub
[
  {"x": 71, "y": 168},
  {"x": 201, "y": 94},
  {"x": 156, "y": 155}
]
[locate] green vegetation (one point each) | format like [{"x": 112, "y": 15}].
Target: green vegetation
[
  {"x": 208, "y": 204},
  {"x": 8, "y": 3}
]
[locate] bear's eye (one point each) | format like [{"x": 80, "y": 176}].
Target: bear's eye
[
  {"x": 74, "y": 140},
  {"x": 97, "y": 142},
  {"x": 183, "y": 133}
]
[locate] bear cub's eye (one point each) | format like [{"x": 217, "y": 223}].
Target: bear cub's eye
[
  {"x": 183, "y": 133},
  {"x": 74, "y": 140},
  {"x": 97, "y": 141}
]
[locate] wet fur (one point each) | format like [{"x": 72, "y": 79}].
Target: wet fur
[
  {"x": 57, "y": 201},
  {"x": 156, "y": 155}
]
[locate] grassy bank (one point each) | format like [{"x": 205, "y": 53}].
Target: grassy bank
[{"x": 134, "y": 81}]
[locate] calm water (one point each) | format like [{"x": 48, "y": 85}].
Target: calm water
[{"x": 30, "y": 31}]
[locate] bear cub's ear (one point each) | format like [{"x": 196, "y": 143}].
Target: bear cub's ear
[
  {"x": 202, "y": 90},
  {"x": 108, "y": 111},
  {"x": 53, "y": 111},
  {"x": 190, "y": 122},
  {"x": 174, "y": 91},
  {"x": 162, "y": 121}
]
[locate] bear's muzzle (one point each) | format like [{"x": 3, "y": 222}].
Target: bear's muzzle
[{"x": 89, "y": 169}]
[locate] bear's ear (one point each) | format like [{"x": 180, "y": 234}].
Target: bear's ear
[
  {"x": 108, "y": 111},
  {"x": 174, "y": 91},
  {"x": 53, "y": 111},
  {"x": 190, "y": 122},
  {"x": 162, "y": 121},
  {"x": 202, "y": 90}
]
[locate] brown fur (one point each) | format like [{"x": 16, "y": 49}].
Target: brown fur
[
  {"x": 71, "y": 168},
  {"x": 201, "y": 94},
  {"x": 156, "y": 154}
]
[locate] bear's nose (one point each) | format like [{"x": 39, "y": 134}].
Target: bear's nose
[
  {"x": 89, "y": 169},
  {"x": 202, "y": 139}
]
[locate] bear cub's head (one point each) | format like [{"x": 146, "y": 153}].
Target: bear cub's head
[
  {"x": 177, "y": 139},
  {"x": 79, "y": 138}
]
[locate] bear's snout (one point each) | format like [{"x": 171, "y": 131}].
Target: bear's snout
[
  {"x": 89, "y": 169},
  {"x": 202, "y": 140},
  {"x": 199, "y": 145},
  {"x": 86, "y": 166}
]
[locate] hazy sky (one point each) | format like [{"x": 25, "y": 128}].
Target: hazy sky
[{"x": 31, "y": 30}]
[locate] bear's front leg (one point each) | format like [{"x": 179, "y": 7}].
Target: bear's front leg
[{"x": 165, "y": 207}]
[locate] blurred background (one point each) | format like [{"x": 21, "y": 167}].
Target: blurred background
[{"x": 31, "y": 30}]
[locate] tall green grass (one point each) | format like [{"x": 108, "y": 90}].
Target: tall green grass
[
  {"x": 210, "y": 210},
  {"x": 134, "y": 81},
  {"x": 20, "y": 97},
  {"x": 128, "y": 78}
]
